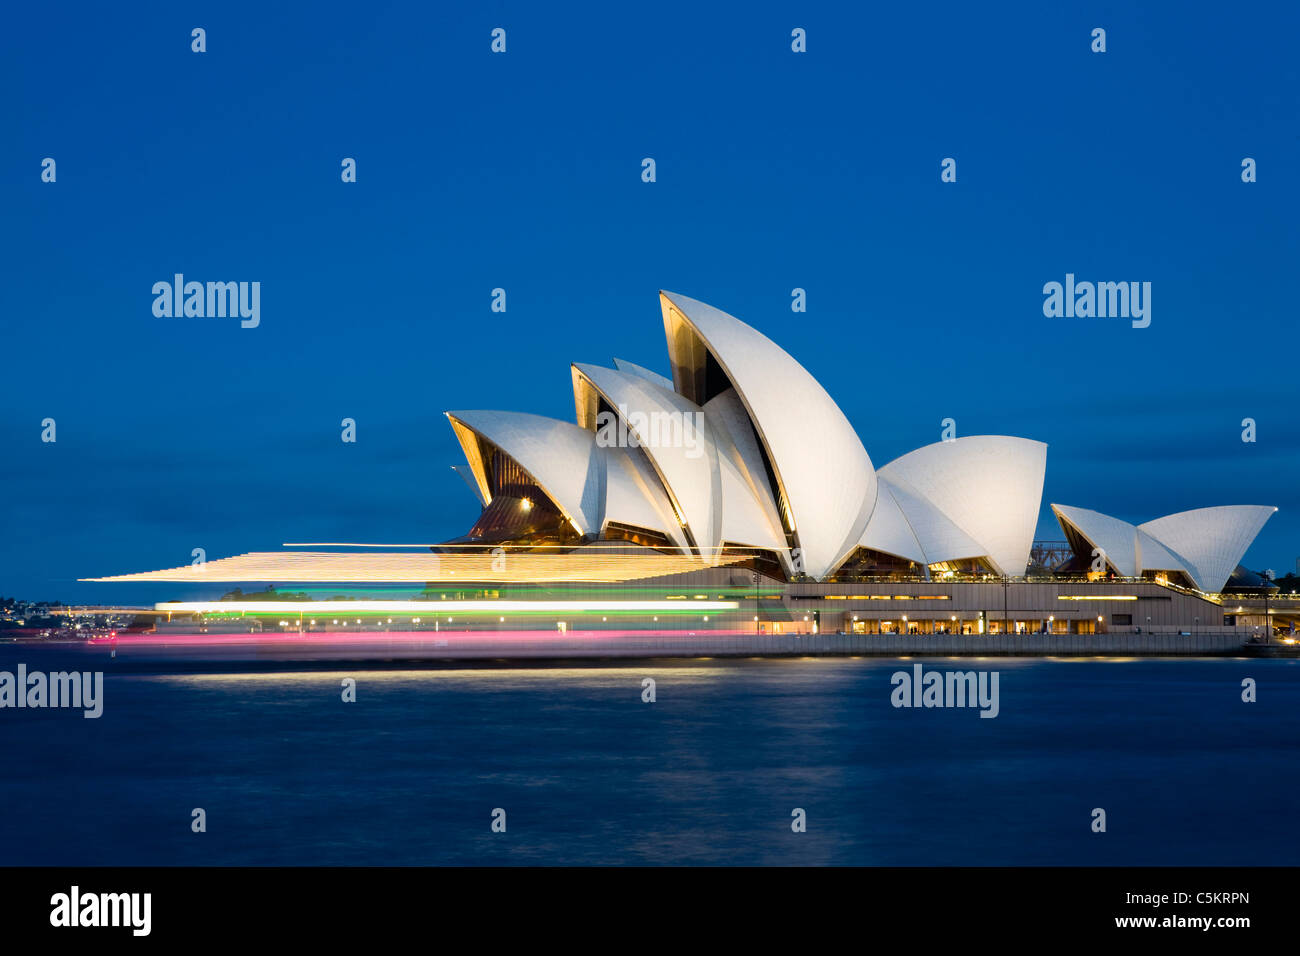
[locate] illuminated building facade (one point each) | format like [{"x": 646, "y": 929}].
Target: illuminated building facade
[{"x": 739, "y": 483}]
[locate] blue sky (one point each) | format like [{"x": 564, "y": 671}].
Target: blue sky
[{"x": 475, "y": 170}]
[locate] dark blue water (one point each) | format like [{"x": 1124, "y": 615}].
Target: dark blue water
[{"x": 709, "y": 773}]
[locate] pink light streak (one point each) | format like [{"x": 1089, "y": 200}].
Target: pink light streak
[{"x": 435, "y": 638}]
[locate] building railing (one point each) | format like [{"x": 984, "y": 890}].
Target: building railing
[{"x": 950, "y": 577}]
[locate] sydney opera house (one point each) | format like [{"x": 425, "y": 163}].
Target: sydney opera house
[{"x": 735, "y": 496}]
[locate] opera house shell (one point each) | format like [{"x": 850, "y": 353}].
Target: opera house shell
[
  {"x": 743, "y": 452},
  {"x": 1202, "y": 547}
]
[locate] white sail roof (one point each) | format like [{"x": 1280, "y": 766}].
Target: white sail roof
[
  {"x": 889, "y": 530},
  {"x": 630, "y": 368},
  {"x": 823, "y": 473},
  {"x": 676, "y": 437},
  {"x": 743, "y": 447},
  {"x": 990, "y": 486},
  {"x": 1118, "y": 539},
  {"x": 749, "y": 515},
  {"x": 1206, "y": 544},
  {"x": 1154, "y": 556},
  {"x": 940, "y": 538},
  {"x": 1212, "y": 540},
  {"x": 562, "y": 459},
  {"x": 634, "y": 496}
]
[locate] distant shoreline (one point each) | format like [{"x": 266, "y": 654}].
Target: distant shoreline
[{"x": 480, "y": 647}]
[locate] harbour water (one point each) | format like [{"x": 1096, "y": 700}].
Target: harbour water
[{"x": 710, "y": 772}]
